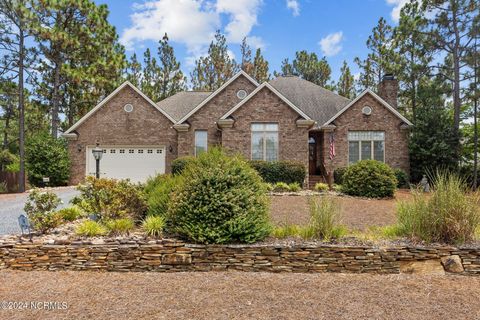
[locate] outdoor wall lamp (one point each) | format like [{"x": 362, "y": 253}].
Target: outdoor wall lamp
[{"x": 97, "y": 154}]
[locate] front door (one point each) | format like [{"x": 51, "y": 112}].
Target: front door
[{"x": 312, "y": 155}]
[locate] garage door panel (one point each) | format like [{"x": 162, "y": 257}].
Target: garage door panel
[{"x": 134, "y": 163}]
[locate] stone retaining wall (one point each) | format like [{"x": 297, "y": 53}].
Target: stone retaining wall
[{"x": 171, "y": 255}]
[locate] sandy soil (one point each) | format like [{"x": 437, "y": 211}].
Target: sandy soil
[
  {"x": 95, "y": 295},
  {"x": 357, "y": 213}
]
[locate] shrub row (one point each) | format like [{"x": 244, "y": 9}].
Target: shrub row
[
  {"x": 280, "y": 171},
  {"x": 403, "y": 180},
  {"x": 288, "y": 172}
]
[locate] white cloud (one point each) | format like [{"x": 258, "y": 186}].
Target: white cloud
[
  {"x": 294, "y": 6},
  {"x": 331, "y": 44},
  {"x": 243, "y": 17},
  {"x": 192, "y": 22},
  {"x": 397, "y": 7},
  {"x": 256, "y": 42}
]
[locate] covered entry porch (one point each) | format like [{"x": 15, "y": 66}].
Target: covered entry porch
[{"x": 318, "y": 157}]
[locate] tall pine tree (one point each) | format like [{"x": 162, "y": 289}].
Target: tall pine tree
[
  {"x": 307, "y": 66},
  {"x": 450, "y": 31},
  {"x": 79, "y": 47},
  {"x": 133, "y": 71},
  {"x": 216, "y": 68},
  {"x": 260, "y": 67},
  {"x": 346, "y": 83},
  {"x": 381, "y": 58},
  {"x": 414, "y": 55},
  {"x": 172, "y": 79}
]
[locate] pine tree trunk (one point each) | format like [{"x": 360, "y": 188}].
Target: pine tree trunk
[
  {"x": 456, "y": 84},
  {"x": 475, "y": 124},
  {"x": 475, "y": 142},
  {"x": 21, "y": 110},
  {"x": 5, "y": 131},
  {"x": 55, "y": 98}
]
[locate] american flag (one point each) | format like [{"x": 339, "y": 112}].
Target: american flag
[{"x": 332, "y": 146}]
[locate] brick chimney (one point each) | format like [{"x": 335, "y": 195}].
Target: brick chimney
[{"x": 388, "y": 89}]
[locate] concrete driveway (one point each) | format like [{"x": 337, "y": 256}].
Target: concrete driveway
[{"x": 11, "y": 206}]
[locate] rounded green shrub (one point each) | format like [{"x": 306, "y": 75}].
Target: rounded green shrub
[
  {"x": 40, "y": 209},
  {"x": 369, "y": 178},
  {"x": 220, "y": 199},
  {"x": 111, "y": 198}
]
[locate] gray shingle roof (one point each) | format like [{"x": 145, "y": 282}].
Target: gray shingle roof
[
  {"x": 180, "y": 104},
  {"x": 318, "y": 103}
]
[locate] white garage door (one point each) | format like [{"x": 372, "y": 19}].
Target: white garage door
[{"x": 134, "y": 163}]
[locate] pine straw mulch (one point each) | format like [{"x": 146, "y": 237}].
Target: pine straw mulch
[
  {"x": 356, "y": 213},
  {"x": 235, "y": 295}
]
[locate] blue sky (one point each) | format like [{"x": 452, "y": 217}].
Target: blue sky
[{"x": 337, "y": 29}]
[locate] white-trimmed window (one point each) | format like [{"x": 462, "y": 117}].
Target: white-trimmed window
[
  {"x": 201, "y": 141},
  {"x": 265, "y": 141},
  {"x": 366, "y": 145}
]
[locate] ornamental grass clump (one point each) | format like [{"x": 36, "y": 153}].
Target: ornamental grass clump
[
  {"x": 70, "y": 213},
  {"x": 89, "y": 228},
  {"x": 153, "y": 226},
  {"x": 324, "y": 219},
  {"x": 449, "y": 214},
  {"x": 119, "y": 226},
  {"x": 220, "y": 199}
]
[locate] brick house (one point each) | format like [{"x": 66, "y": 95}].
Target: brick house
[{"x": 287, "y": 118}]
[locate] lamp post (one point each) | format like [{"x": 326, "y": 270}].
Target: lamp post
[{"x": 97, "y": 154}]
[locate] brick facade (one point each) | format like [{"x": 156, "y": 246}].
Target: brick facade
[
  {"x": 146, "y": 126},
  {"x": 265, "y": 106},
  {"x": 381, "y": 119},
  {"x": 206, "y": 117},
  {"x": 111, "y": 125}
]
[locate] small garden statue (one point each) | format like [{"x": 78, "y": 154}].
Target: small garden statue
[{"x": 424, "y": 184}]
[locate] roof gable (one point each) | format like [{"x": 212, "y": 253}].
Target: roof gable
[
  {"x": 377, "y": 97},
  {"x": 181, "y": 103},
  {"x": 216, "y": 92},
  {"x": 317, "y": 102},
  {"x": 272, "y": 89},
  {"x": 108, "y": 98}
]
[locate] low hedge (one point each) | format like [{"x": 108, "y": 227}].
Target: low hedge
[{"x": 280, "y": 171}]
